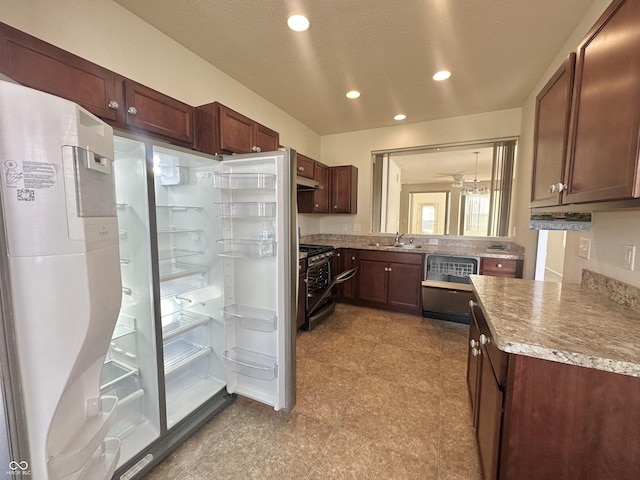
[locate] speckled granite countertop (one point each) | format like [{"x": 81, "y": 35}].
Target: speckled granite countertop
[
  {"x": 470, "y": 249},
  {"x": 563, "y": 323}
]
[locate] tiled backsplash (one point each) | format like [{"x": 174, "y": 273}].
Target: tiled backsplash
[{"x": 619, "y": 292}]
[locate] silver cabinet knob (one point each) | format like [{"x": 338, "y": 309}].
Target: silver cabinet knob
[
  {"x": 338, "y": 254},
  {"x": 256, "y": 149},
  {"x": 317, "y": 205},
  {"x": 353, "y": 258},
  {"x": 472, "y": 303},
  {"x": 473, "y": 343},
  {"x": 475, "y": 352},
  {"x": 132, "y": 111},
  {"x": 557, "y": 188},
  {"x": 301, "y": 169},
  {"x": 335, "y": 206},
  {"x": 484, "y": 339},
  {"x": 499, "y": 265},
  {"x": 113, "y": 105}
]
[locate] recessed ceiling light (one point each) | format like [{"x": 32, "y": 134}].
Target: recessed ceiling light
[
  {"x": 441, "y": 75},
  {"x": 298, "y": 23},
  {"x": 353, "y": 94},
  {"x": 400, "y": 116}
]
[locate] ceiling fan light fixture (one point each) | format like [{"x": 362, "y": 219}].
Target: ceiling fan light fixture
[
  {"x": 298, "y": 23},
  {"x": 475, "y": 189}
]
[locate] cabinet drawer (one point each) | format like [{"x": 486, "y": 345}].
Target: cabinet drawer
[
  {"x": 391, "y": 257},
  {"x": 500, "y": 267}
]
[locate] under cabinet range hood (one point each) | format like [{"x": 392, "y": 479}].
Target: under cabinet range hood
[{"x": 304, "y": 183}]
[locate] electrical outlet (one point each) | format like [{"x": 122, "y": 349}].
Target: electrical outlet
[
  {"x": 584, "y": 248},
  {"x": 629, "y": 257},
  {"x": 433, "y": 241},
  {"x": 356, "y": 227}
]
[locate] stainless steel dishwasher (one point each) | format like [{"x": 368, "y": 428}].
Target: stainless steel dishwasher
[{"x": 446, "y": 288}]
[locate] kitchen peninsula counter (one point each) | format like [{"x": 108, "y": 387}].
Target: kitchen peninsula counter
[{"x": 563, "y": 323}]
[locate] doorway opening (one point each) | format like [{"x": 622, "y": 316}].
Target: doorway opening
[
  {"x": 428, "y": 213},
  {"x": 550, "y": 255}
]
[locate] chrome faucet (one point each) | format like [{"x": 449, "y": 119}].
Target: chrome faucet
[{"x": 397, "y": 238}]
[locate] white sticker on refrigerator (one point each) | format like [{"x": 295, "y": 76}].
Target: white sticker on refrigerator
[{"x": 29, "y": 175}]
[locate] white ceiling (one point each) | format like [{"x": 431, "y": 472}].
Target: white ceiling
[{"x": 388, "y": 50}]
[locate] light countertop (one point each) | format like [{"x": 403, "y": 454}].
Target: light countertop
[{"x": 563, "y": 323}]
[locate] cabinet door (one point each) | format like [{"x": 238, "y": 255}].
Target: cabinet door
[
  {"x": 404, "y": 287},
  {"x": 553, "y": 107},
  {"x": 41, "y": 66},
  {"x": 304, "y": 166},
  {"x": 349, "y": 260},
  {"x": 344, "y": 189},
  {"x": 235, "y": 130},
  {"x": 157, "y": 113},
  {"x": 321, "y": 197},
  {"x": 264, "y": 139},
  {"x": 489, "y": 418},
  {"x": 474, "y": 359},
  {"x": 372, "y": 284},
  {"x": 605, "y": 115}
]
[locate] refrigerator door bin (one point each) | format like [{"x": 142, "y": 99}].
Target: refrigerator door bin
[
  {"x": 251, "y": 364},
  {"x": 251, "y": 318},
  {"x": 103, "y": 462},
  {"x": 181, "y": 322},
  {"x": 126, "y": 326},
  {"x": 172, "y": 270},
  {"x": 244, "y": 181},
  {"x": 246, "y": 248},
  {"x": 246, "y": 209},
  {"x": 180, "y": 353},
  {"x": 81, "y": 446}
]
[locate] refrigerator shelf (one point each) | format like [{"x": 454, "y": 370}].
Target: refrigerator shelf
[
  {"x": 170, "y": 271},
  {"x": 114, "y": 372},
  {"x": 246, "y": 209},
  {"x": 180, "y": 286},
  {"x": 173, "y": 231},
  {"x": 82, "y": 445},
  {"x": 251, "y": 364},
  {"x": 245, "y": 248},
  {"x": 251, "y": 318},
  {"x": 179, "y": 208},
  {"x": 177, "y": 253},
  {"x": 244, "y": 181},
  {"x": 179, "y": 353},
  {"x": 180, "y": 322}
]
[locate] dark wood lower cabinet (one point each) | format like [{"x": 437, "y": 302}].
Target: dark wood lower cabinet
[
  {"x": 538, "y": 419},
  {"x": 388, "y": 280}
]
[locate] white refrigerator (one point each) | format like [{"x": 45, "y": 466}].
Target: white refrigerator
[
  {"x": 208, "y": 253},
  {"x": 61, "y": 287}
]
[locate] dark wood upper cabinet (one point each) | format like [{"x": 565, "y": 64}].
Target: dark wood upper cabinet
[
  {"x": 154, "y": 112},
  {"x": 42, "y": 66},
  {"x": 551, "y": 132},
  {"x": 305, "y": 166},
  {"x": 316, "y": 201},
  {"x": 221, "y": 130},
  {"x": 344, "y": 189},
  {"x": 605, "y": 121}
]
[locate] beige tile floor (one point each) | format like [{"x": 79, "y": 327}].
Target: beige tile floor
[{"x": 380, "y": 396}]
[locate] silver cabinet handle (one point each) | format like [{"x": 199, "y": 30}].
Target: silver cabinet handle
[
  {"x": 484, "y": 339},
  {"x": 472, "y": 303},
  {"x": 113, "y": 105},
  {"x": 132, "y": 111},
  {"x": 473, "y": 343}
]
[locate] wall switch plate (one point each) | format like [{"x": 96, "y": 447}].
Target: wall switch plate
[
  {"x": 629, "y": 257},
  {"x": 433, "y": 241},
  {"x": 584, "y": 248}
]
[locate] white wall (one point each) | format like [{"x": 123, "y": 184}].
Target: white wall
[
  {"x": 610, "y": 230},
  {"x": 355, "y": 149},
  {"x": 107, "y": 34}
]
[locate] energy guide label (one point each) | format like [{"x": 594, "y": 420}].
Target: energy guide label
[{"x": 29, "y": 175}]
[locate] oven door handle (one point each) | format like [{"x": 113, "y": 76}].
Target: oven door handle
[{"x": 337, "y": 280}]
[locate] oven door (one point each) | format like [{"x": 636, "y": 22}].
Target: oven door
[
  {"x": 321, "y": 305},
  {"x": 446, "y": 300}
]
